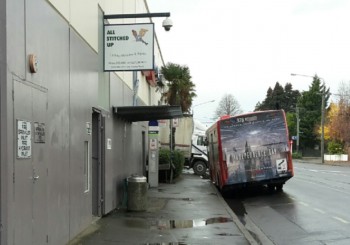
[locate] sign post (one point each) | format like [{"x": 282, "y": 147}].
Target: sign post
[{"x": 153, "y": 154}]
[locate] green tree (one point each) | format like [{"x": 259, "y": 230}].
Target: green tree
[
  {"x": 292, "y": 123},
  {"x": 267, "y": 103},
  {"x": 310, "y": 112},
  {"x": 290, "y": 99},
  {"x": 181, "y": 90},
  {"x": 279, "y": 98}
]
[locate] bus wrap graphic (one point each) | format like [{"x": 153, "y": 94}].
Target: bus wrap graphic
[{"x": 255, "y": 147}]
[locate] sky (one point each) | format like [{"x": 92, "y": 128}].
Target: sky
[{"x": 243, "y": 47}]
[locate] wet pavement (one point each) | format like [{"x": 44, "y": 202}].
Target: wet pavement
[
  {"x": 311, "y": 209},
  {"x": 189, "y": 211}
]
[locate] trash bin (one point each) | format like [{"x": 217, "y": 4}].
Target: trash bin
[{"x": 137, "y": 193}]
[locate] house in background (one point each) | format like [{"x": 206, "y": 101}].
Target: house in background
[{"x": 65, "y": 148}]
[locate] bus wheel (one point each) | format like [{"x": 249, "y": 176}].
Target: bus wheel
[
  {"x": 225, "y": 192},
  {"x": 279, "y": 187},
  {"x": 271, "y": 188},
  {"x": 199, "y": 168}
]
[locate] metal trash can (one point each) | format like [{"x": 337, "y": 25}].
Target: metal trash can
[{"x": 137, "y": 193}]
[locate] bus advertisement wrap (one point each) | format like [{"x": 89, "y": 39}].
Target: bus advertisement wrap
[{"x": 255, "y": 147}]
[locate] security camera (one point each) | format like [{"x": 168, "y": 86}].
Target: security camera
[{"x": 167, "y": 24}]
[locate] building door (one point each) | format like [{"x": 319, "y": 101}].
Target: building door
[
  {"x": 30, "y": 168},
  {"x": 98, "y": 163}
]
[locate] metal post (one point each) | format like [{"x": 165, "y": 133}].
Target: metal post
[
  {"x": 171, "y": 149},
  {"x": 298, "y": 130},
  {"x": 322, "y": 127},
  {"x": 135, "y": 87}
]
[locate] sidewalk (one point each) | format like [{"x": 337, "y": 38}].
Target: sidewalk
[
  {"x": 317, "y": 160},
  {"x": 190, "y": 211}
]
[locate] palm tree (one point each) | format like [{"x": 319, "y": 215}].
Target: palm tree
[{"x": 181, "y": 90}]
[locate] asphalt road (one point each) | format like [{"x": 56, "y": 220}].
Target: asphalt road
[{"x": 313, "y": 208}]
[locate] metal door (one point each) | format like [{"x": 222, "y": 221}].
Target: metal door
[{"x": 29, "y": 169}]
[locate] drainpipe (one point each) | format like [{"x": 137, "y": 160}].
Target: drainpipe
[{"x": 135, "y": 82}]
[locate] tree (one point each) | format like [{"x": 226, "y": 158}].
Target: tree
[
  {"x": 228, "y": 105},
  {"x": 331, "y": 128},
  {"x": 338, "y": 115},
  {"x": 310, "y": 112},
  {"x": 279, "y": 98},
  {"x": 290, "y": 98},
  {"x": 292, "y": 123},
  {"x": 181, "y": 90}
]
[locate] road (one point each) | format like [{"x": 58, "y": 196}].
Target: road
[{"x": 313, "y": 208}]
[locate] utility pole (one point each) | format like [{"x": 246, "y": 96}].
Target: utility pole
[
  {"x": 322, "y": 126},
  {"x": 298, "y": 129}
]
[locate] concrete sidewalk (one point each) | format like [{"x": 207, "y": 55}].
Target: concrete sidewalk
[
  {"x": 317, "y": 160},
  {"x": 190, "y": 211}
]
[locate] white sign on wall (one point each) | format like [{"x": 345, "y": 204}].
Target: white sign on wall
[
  {"x": 109, "y": 144},
  {"x": 129, "y": 47},
  {"x": 175, "y": 122},
  {"x": 24, "y": 139}
]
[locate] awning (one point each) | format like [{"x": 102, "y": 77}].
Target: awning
[{"x": 147, "y": 113}]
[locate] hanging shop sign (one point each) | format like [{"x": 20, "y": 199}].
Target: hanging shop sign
[{"x": 129, "y": 47}]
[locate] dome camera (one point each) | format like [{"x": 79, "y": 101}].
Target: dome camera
[{"x": 167, "y": 24}]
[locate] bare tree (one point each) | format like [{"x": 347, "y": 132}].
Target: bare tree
[
  {"x": 343, "y": 95},
  {"x": 228, "y": 105},
  {"x": 339, "y": 124}
]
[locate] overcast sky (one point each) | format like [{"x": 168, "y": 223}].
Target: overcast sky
[{"x": 243, "y": 47}]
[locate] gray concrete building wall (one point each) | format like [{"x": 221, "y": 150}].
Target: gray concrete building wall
[
  {"x": 3, "y": 132},
  {"x": 44, "y": 197}
]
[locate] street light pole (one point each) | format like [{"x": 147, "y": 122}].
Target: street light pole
[
  {"x": 202, "y": 104},
  {"x": 322, "y": 115},
  {"x": 298, "y": 136},
  {"x": 322, "y": 126}
]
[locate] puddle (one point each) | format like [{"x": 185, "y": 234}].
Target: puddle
[
  {"x": 175, "y": 224},
  {"x": 167, "y": 243},
  {"x": 180, "y": 224},
  {"x": 228, "y": 234}
]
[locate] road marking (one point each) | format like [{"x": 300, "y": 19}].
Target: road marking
[
  {"x": 325, "y": 186},
  {"x": 313, "y": 170},
  {"x": 340, "y": 219},
  {"x": 319, "y": 210},
  {"x": 336, "y": 172},
  {"x": 304, "y": 204}
]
